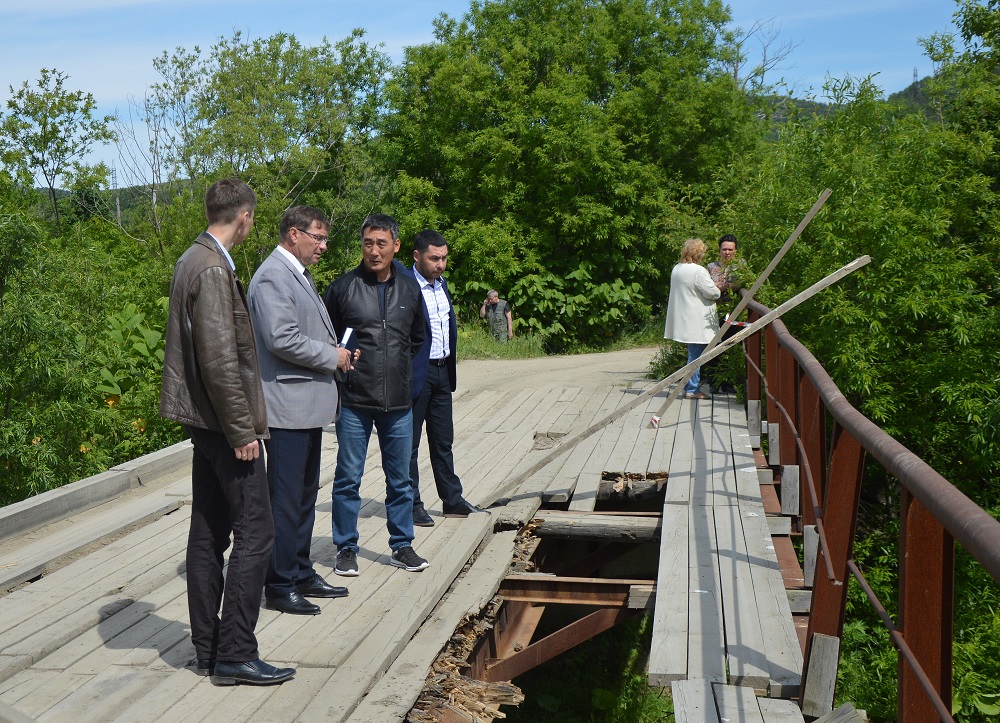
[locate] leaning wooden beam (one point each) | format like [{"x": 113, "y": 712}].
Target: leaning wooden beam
[
  {"x": 514, "y": 482},
  {"x": 672, "y": 394}
]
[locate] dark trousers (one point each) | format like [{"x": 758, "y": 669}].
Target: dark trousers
[
  {"x": 228, "y": 496},
  {"x": 434, "y": 406},
  {"x": 293, "y": 482}
]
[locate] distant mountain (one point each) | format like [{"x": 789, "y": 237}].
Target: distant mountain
[{"x": 913, "y": 96}]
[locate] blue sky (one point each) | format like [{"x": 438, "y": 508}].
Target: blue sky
[{"x": 107, "y": 46}]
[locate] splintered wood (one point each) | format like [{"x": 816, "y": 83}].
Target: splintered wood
[
  {"x": 448, "y": 688},
  {"x": 449, "y": 694}
]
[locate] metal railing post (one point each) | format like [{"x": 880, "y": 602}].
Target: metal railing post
[
  {"x": 772, "y": 372},
  {"x": 840, "y": 515},
  {"x": 812, "y": 427},
  {"x": 926, "y": 608}
]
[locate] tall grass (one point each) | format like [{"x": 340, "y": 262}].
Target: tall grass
[{"x": 475, "y": 342}]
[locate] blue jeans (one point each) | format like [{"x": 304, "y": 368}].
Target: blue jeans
[
  {"x": 694, "y": 351},
  {"x": 395, "y": 434}
]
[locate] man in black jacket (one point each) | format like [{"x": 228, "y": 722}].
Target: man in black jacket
[{"x": 383, "y": 310}]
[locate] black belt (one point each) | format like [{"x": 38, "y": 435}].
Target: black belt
[{"x": 438, "y": 362}]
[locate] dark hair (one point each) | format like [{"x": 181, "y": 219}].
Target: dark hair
[
  {"x": 381, "y": 222},
  {"x": 225, "y": 199},
  {"x": 428, "y": 238},
  {"x": 729, "y": 237},
  {"x": 301, "y": 217}
]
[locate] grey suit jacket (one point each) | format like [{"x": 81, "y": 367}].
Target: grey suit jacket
[{"x": 296, "y": 347}]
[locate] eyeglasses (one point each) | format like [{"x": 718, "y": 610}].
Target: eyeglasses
[{"x": 315, "y": 236}]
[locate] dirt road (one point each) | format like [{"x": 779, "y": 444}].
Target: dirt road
[{"x": 617, "y": 368}]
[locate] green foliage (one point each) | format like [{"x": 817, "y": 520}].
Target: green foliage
[
  {"x": 48, "y": 128},
  {"x": 60, "y": 353},
  {"x": 295, "y": 122},
  {"x": 603, "y": 680},
  {"x": 913, "y": 331},
  {"x": 475, "y": 342},
  {"x": 559, "y": 145}
]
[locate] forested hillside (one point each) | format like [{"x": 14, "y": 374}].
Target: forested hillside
[{"x": 565, "y": 150}]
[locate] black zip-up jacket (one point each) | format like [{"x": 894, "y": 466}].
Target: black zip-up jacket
[{"x": 388, "y": 338}]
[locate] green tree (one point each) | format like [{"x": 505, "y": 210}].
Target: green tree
[
  {"x": 294, "y": 121},
  {"x": 48, "y": 128},
  {"x": 556, "y": 142}
]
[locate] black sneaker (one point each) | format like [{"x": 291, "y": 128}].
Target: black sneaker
[
  {"x": 347, "y": 563},
  {"x": 406, "y": 558}
]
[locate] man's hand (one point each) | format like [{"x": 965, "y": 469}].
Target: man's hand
[
  {"x": 346, "y": 361},
  {"x": 248, "y": 452}
]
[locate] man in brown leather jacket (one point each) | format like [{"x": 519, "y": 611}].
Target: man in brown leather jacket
[{"x": 212, "y": 386}]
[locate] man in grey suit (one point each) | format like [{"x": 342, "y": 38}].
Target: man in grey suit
[{"x": 298, "y": 356}]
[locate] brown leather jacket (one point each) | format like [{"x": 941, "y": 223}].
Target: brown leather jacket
[{"x": 210, "y": 375}]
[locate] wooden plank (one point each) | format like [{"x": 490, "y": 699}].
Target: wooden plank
[
  {"x": 810, "y": 551},
  {"x": 94, "y": 638},
  {"x": 784, "y": 656},
  {"x": 50, "y": 693},
  {"x": 790, "y": 490},
  {"x": 63, "y": 620},
  {"x": 645, "y": 436},
  {"x": 397, "y": 691},
  {"x": 53, "y": 505},
  {"x": 681, "y": 479},
  {"x": 799, "y": 601},
  {"x": 401, "y": 614},
  {"x": 694, "y": 701},
  {"x": 578, "y": 414},
  {"x": 746, "y": 662},
  {"x": 753, "y": 420},
  {"x": 721, "y": 471},
  {"x": 779, "y": 525},
  {"x": 14, "y": 689},
  {"x": 565, "y": 406},
  {"x": 773, "y": 440},
  {"x": 30, "y": 560},
  {"x": 668, "y": 654},
  {"x": 706, "y": 646},
  {"x": 702, "y": 487},
  {"x": 585, "y": 494},
  {"x": 747, "y": 484},
  {"x": 630, "y": 428},
  {"x": 821, "y": 679},
  {"x": 564, "y": 483},
  {"x": 777, "y": 710},
  {"x": 39, "y": 618},
  {"x": 736, "y": 703},
  {"x": 663, "y": 446},
  {"x": 12, "y": 715},
  {"x": 326, "y": 640},
  {"x": 99, "y": 699}
]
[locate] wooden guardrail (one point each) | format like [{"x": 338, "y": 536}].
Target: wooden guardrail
[{"x": 815, "y": 433}]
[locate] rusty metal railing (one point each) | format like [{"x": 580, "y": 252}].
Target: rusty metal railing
[{"x": 820, "y": 431}]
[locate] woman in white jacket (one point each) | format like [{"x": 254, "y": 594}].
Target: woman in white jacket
[{"x": 691, "y": 315}]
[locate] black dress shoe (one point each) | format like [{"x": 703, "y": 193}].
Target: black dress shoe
[
  {"x": 421, "y": 518},
  {"x": 292, "y": 603},
  {"x": 463, "y": 510},
  {"x": 252, "y": 672},
  {"x": 316, "y": 586},
  {"x": 206, "y": 666}
]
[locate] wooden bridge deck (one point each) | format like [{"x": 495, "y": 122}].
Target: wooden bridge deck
[{"x": 94, "y": 626}]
